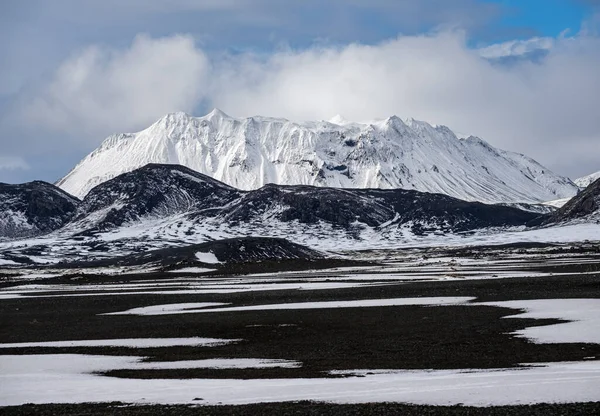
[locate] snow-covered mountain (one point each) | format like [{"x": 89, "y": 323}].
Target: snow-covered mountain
[
  {"x": 586, "y": 181},
  {"x": 391, "y": 153}
]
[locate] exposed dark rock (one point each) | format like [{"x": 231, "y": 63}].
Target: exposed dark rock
[
  {"x": 227, "y": 251},
  {"x": 157, "y": 190},
  {"x": 372, "y": 207},
  {"x": 584, "y": 205},
  {"x": 34, "y": 208},
  {"x": 161, "y": 191}
]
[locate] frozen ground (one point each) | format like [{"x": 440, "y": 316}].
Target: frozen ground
[
  {"x": 468, "y": 325},
  {"x": 74, "y": 380},
  {"x": 178, "y": 231}
]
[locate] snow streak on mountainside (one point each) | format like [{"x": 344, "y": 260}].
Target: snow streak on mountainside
[
  {"x": 586, "y": 181},
  {"x": 249, "y": 153}
]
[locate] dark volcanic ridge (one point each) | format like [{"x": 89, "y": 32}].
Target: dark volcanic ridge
[
  {"x": 583, "y": 206},
  {"x": 171, "y": 207},
  {"x": 160, "y": 191}
]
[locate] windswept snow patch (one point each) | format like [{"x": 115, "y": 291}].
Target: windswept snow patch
[
  {"x": 368, "y": 303},
  {"x": 584, "y": 314},
  {"x": 174, "y": 308},
  {"x": 208, "y": 258},
  {"x": 192, "y": 270},
  {"x": 127, "y": 343}
]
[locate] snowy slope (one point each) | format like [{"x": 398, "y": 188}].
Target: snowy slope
[
  {"x": 586, "y": 181},
  {"x": 248, "y": 153}
]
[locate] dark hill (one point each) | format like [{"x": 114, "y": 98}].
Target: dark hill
[{"x": 34, "y": 208}]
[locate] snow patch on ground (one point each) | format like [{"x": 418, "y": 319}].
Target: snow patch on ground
[
  {"x": 26, "y": 379},
  {"x": 127, "y": 343},
  {"x": 368, "y": 303},
  {"x": 174, "y": 308},
  {"x": 178, "y": 231},
  {"x": 192, "y": 270},
  {"x": 172, "y": 288},
  {"x": 584, "y": 315},
  {"x": 208, "y": 258}
]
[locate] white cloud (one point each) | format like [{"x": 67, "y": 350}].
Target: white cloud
[
  {"x": 13, "y": 163},
  {"x": 517, "y": 47},
  {"x": 100, "y": 89},
  {"x": 547, "y": 110}
]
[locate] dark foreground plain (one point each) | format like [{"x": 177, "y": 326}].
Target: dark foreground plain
[
  {"x": 390, "y": 337},
  {"x": 303, "y": 408}
]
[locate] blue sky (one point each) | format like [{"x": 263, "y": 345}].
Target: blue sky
[
  {"x": 544, "y": 17},
  {"x": 73, "y": 72}
]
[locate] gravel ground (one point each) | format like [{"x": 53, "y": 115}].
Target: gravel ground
[
  {"x": 401, "y": 337},
  {"x": 304, "y": 408}
]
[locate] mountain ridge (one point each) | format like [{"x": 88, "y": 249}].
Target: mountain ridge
[
  {"x": 390, "y": 153},
  {"x": 161, "y": 205},
  {"x": 158, "y": 191}
]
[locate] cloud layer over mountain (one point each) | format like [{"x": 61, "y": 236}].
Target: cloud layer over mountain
[{"x": 547, "y": 109}]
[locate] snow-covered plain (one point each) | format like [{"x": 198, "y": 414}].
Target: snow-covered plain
[
  {"x": 76, "y": 378},
  {"x": 73, "y": 379}
]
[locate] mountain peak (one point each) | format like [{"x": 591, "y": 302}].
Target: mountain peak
[
  {"x": 216, "y": 114},
  {"x": 339, "y": 120},
  {"x": 177, "y": 115},
  {"x": 174, "y": 118},
  {"x": 396, "y": 123}
]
